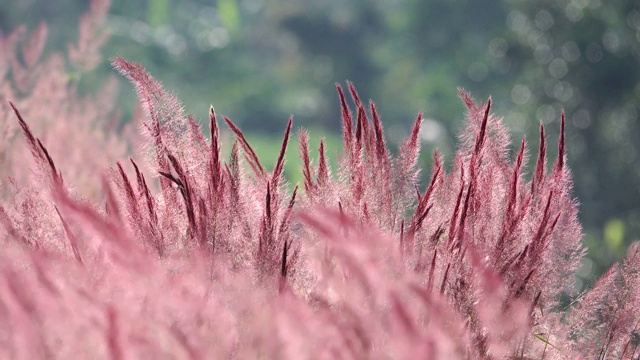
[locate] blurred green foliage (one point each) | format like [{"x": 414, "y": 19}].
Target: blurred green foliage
[
  {"x": 259, "y": 61},
  {"x": 158, "y": 12},
  {"x": 614, "y": 235}
]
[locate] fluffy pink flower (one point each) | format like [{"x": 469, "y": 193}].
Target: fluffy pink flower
[{"x": 222, "y": 261}]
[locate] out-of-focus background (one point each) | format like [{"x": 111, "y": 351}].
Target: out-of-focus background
[{"x": 260, "y": 61}]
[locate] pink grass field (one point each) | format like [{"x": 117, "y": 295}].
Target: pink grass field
[{"x": 175, "y": 252}]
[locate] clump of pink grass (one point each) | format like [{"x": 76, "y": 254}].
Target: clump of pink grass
[{"x": 215, "y": 258}]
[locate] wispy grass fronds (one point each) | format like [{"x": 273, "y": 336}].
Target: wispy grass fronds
[{"x": 360, "y": 264}]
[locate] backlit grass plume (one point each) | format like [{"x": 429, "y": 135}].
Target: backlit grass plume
[{"x": 215, "y": 258}]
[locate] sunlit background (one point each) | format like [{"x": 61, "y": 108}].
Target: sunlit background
[{"x": 260, "y": 61}]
